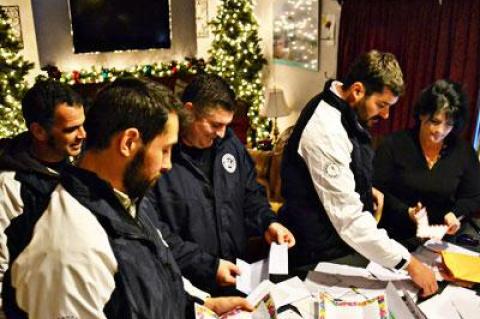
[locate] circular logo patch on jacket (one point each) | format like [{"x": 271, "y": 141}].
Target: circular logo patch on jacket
[
  {"x": 229, "y": 163},
  {"x": 332, "y": 170}
]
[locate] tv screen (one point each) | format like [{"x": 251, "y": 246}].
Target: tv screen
[{"x": 109, "y": 25}]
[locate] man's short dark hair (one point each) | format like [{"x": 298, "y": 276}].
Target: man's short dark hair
[
  {"x": 128, "y": 103},
  {"x": 376, "y": 70},
  {"x": 207, "y": 91},
  {"x": 444, "y": 96},
  {"x": 40, "y": 101}
]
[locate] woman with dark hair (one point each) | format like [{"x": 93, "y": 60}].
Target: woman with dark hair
[{"x": 429, "y": 166}]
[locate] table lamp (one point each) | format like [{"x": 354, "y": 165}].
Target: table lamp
[{"x": 275, "y": 106}]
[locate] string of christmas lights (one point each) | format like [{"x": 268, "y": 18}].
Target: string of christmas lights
[{"x": 236, "y": 56}]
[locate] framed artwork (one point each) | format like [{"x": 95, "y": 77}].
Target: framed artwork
[
  {"x": 201, "y": 12},
  {"x": 295, "y": 33},
  {"x": 13, "y": 13}
]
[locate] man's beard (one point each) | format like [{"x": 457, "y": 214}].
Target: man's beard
[
  {"x": 135, "y": 182},
  {"x": 361, "y": 110}
]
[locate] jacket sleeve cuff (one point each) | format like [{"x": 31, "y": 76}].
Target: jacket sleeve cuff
[
  {"x": 268, "y": 219},
  {"x": 193, "y": 291},
  {"x": 403, "y": 263}
]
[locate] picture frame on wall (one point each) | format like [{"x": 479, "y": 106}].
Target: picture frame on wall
[
  {"x": 295, "y": 33},
  {"x": 13, "y": 13},
  {"x": 201, "y": 17}
]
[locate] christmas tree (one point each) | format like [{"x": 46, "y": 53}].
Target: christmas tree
[
  {"x": 236, "y": 56},
  {"x": 13, "y": 69}
]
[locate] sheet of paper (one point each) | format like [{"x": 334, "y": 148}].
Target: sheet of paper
[
  {"x": 386, "y": 274},
  {"x": 278, "y": 259},
  {"x": 438, "y": 246},
  {"x": 259, "y": 292},
  {"x": 339, "y": 286},
  {"x": 431, "y": 231},
  {"x": 396, "y": 306},
  {"x": 288, "y": 291},
  {"x": 194, "y": 291},
  {"x": 425, "y": 230},
  {"x": 202, "y": 312},
  {"x": 289, "y": 314},
  {"x": 422, "y": 217},
  {"x": 331, "y": 308},
  {"x": 282, "y": 293},
  {"x": 336, "y": 269},
  {"x": 466, "y": 301},
  {"x": 308, "y": 307},
  {"x": 251, "y": 275},
  {"x": 265, "y": 309},
  {"x": 439, "y": 307}
]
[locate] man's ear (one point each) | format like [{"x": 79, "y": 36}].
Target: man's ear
[
  {"x": 358, "y": 90},
  {"x": 130, "y": 141},
  {"x": 38, "y": 132}
]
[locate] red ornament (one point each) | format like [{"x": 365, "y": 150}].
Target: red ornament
[
  {"x": 174, "y": 69},
  {"x": 76, "y": 76}
]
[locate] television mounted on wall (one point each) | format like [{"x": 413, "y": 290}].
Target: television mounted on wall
[{"x": 112, "y": 25}]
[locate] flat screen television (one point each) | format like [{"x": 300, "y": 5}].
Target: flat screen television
[{"x": 110, "y": 25}]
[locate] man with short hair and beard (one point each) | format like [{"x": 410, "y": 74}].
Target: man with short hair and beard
[
  {"x": 91, "y": 253},
  {"x": 327, "y": 173},
  {"x": 30, "y": 162}
]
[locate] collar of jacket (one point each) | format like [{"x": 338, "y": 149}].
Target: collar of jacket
[
  {"x": 15, "y": 155},
  {"x": 99, "y": 197},
  {"x": 349, "y": 116}
]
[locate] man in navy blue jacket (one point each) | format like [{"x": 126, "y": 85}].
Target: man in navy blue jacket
[{"x": 210, "y": 197}]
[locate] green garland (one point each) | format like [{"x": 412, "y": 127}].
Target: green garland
[{"x": 100, "y": 75}]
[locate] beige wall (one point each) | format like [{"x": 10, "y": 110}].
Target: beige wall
[
  {"x": 299, "y": 85},
  {"x": 55, "y": 46},
  {"x": 51, "y": 35},
  {"x": 29, "y": 51}
]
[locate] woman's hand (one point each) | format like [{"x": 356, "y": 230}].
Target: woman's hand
[{"x": 452, "y": 222}]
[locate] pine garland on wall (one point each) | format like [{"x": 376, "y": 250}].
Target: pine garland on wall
[
  {"x": 13, "y": 69},
  {"x": 103, "y": 74},
  {"x": 236, "y": 56}
]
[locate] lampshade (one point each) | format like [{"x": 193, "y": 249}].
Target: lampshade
[{"x": 275, "y": 105}]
